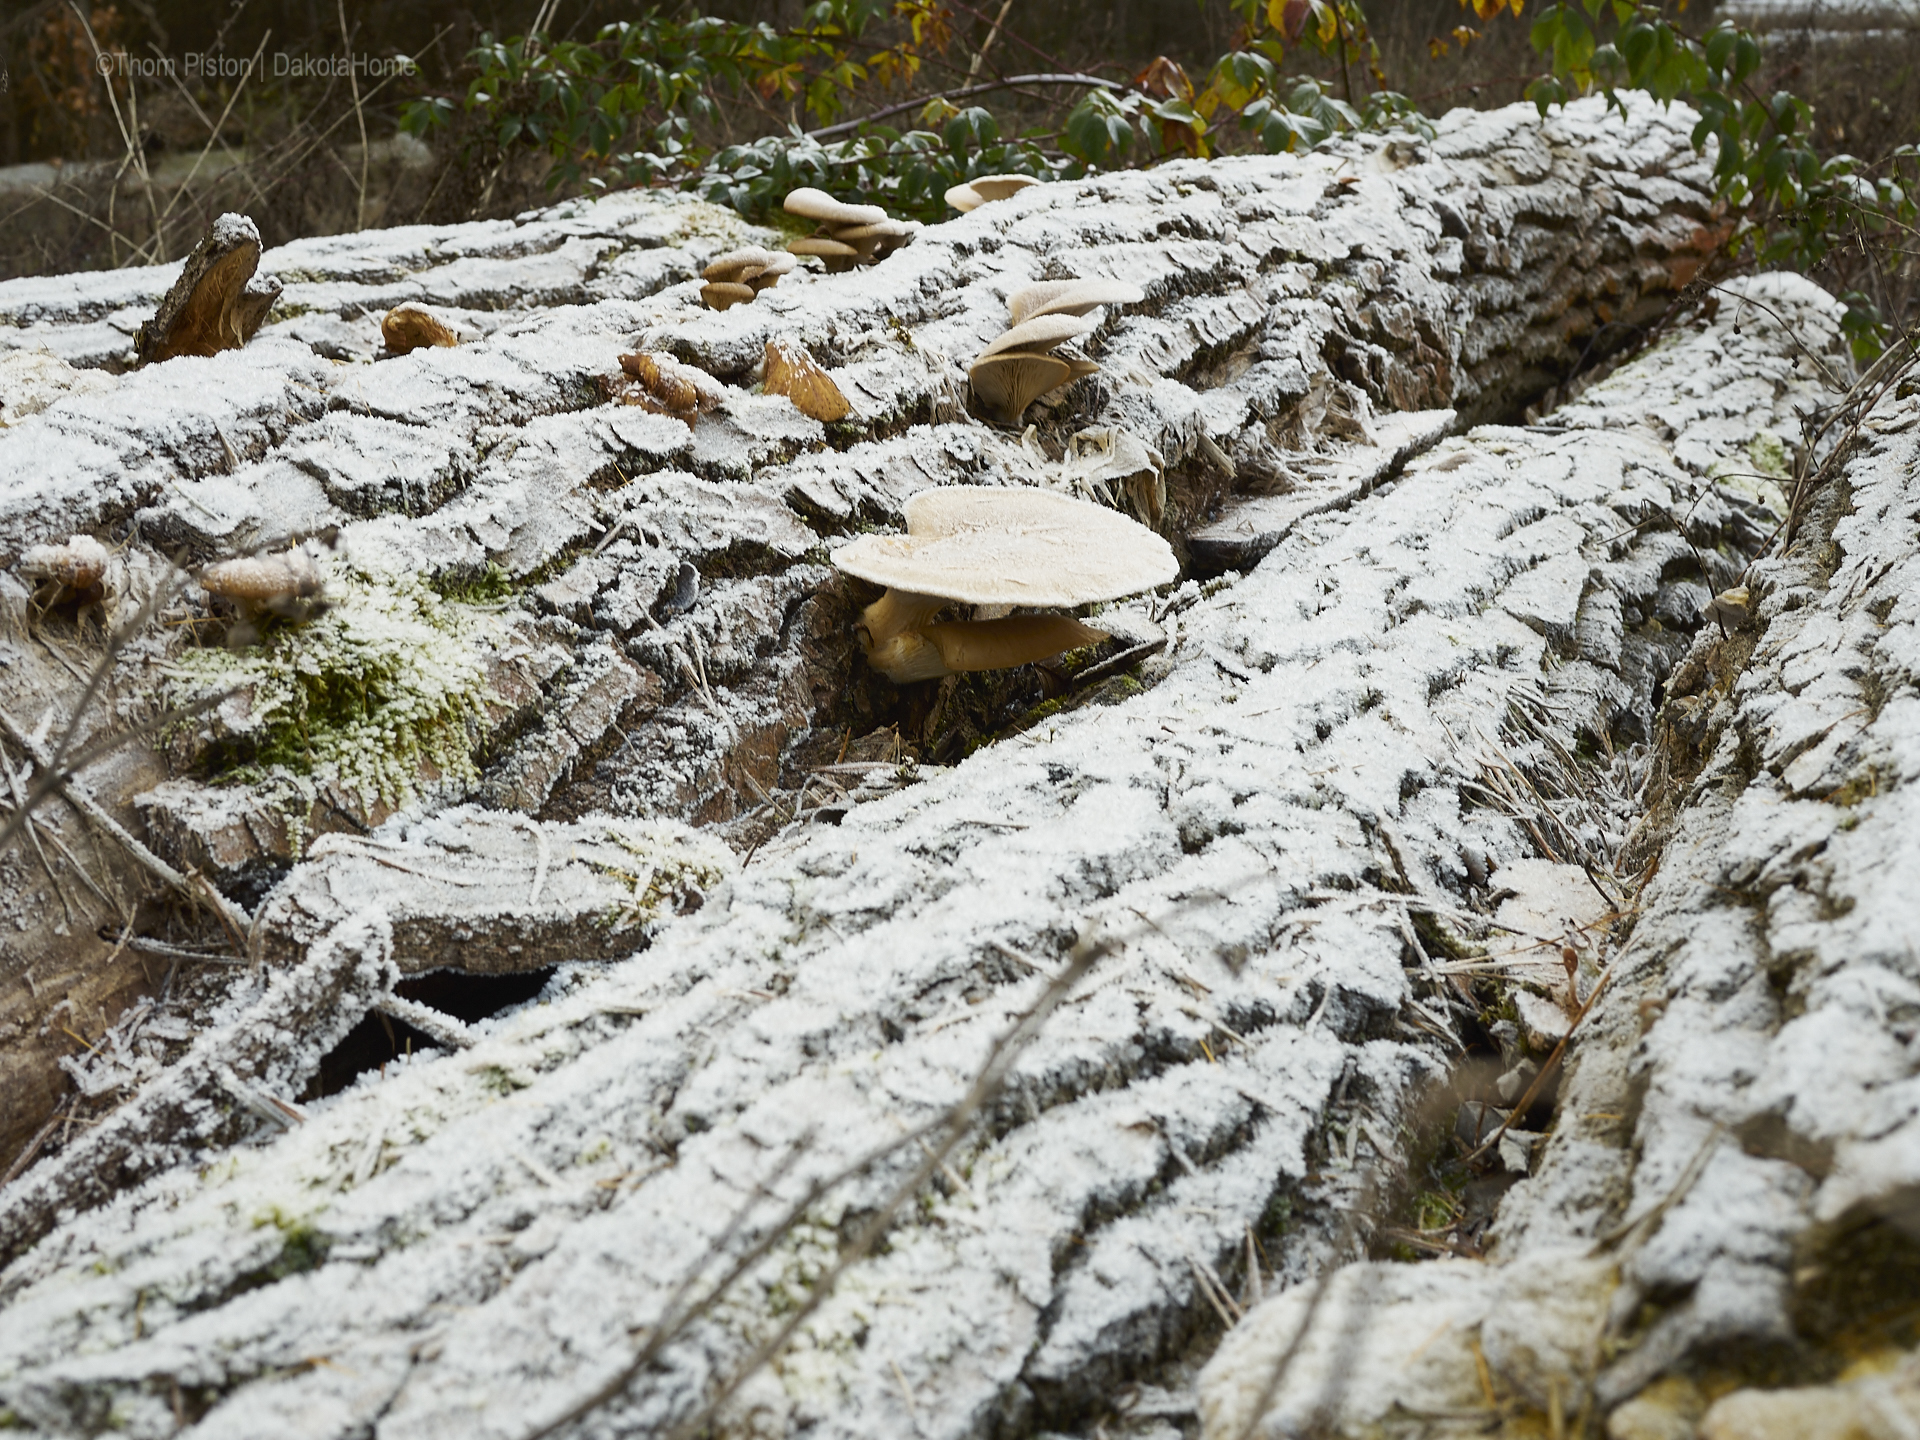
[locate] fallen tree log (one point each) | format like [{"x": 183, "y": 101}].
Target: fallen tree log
[{"x": 1275, "y": 844}]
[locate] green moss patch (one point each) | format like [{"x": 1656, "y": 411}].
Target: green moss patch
[{"x": 386, "y": 687}]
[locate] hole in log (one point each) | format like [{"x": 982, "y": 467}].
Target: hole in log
[{"x": 380, "y": 1039}]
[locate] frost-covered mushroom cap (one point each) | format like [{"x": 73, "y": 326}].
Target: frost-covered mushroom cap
[
  {"x": 1041, "y": 333},
  {"x": 737, "y": 266},
  {"x": 1069, "y": 297},
  {"x": 999, "y": 187},
  {"x": 985, "y": 545},
  {"x": 812, "y": 204}
]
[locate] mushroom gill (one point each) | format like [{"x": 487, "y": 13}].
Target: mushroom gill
[{"x": 1006, "y": 383}]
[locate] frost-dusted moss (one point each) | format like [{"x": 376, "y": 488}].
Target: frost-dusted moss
[{"x": 386, "y": 686}]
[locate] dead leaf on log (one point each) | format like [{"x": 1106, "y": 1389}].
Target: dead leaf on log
[
  {"x": 792, "y": 372},
  {"x": 407, "y": 328}
]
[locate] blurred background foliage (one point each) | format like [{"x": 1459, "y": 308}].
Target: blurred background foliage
[{"x": 464, "y": 110}]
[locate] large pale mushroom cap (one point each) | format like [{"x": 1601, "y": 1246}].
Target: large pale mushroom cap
[
  {"x": 999, "y": 187},
  {"x": 972, "y": 194},
  {"x": 1041, "y": 333},
  {"x": 1009, "y": 382},
  {"x": 1069, "y": 297},
  {"x": 986, "y": 545},
  {"x": 812, "y": 204}
]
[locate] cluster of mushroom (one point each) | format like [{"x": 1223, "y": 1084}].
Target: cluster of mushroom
[
  {"x": 1020, "y": 367},
  {"x": 739, "y": 275},
  {"x": 663, "y": 385},
  {"x": 849, "y": 235},
  {"x": 999, "y": 548},
  {"x": 972, "y": 194}
]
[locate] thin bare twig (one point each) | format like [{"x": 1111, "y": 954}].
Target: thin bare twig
[{"x": 847, "y": 127}]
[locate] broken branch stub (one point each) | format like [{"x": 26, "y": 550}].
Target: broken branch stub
[
  {"x": 217, "y": 303},
  {"x": 983, "y": 545}
]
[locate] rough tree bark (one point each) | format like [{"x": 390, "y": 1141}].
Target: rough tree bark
[{"x": 1276, "y": 822}]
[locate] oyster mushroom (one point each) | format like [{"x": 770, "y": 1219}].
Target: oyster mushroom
[
  {"x": 837, "y": 254},
  {"x": 1016, "y": 369},
  {"x": 863, "y": 234},
  {"x": 811, "y": 204},
  {"x": 407, "y": 328},
  {"x": 737, "y": 276},
  {"x": 724, "y": 294},
  {"x": 1069, "y": 297},
  {"x": 982, "y": 545},
  {"x": 1007, "y": 383},
  {"x": 792, "y": 372},
  {"x": 972, "y": 194}
]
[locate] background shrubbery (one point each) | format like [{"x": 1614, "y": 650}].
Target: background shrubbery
[{"x": 511, "y": 104}]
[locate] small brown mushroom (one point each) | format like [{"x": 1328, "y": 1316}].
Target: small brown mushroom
[
  {"x": 71, "y": 574},
  {"x": 739, "y": 266},
  {"x": 1007, "y": 383},
  {"x": 792, "y": 372},
  {"x": 837, "y": 255},
  {"x": 724, "y": 294},
  {"x": 982, "y": 545},
  {"x": 256, "y": 586},
  {"x": 1069, "y": 297},
  {"x": 782, "y": 263},
  {"x": 407, "y": 328}
]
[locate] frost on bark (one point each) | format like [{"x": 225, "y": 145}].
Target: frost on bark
[
  {"x": 1264, "y": 820},
  {"x": 1731, "y": 1196}
]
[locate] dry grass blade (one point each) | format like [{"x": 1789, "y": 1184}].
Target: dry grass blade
[{"x": 1546, "y": 1071}]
